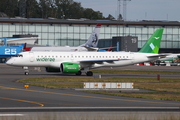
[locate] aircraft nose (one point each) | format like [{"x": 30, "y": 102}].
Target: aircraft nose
[{"x": 9, "y": 62}]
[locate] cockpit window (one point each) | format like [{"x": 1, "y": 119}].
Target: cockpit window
[{"x": 19, "y": 55}]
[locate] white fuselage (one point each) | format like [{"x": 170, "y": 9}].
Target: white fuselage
[
  {"x": 85, "y": 59},
  {"x": 59, "y": 49}
]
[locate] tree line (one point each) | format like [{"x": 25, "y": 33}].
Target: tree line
[{"x": 61, "y": 9}]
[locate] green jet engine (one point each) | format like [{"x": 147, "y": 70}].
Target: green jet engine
[
  {"x": 67, "y": 67},
  {"x": 50, "y": 69}
]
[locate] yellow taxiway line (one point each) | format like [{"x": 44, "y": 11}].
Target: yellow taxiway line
[{"x": 22, "y": 101}]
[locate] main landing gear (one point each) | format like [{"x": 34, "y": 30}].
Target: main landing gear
[
  {"x": 79, "y": 73},
  {"x": 89, "y": 73}
]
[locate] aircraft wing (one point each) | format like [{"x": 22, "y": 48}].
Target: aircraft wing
[
  {"x": 96, "y": 49},
  {"x": 91, "y": 48}
]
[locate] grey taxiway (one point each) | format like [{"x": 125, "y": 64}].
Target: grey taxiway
[{"x": 14, "y": 97}]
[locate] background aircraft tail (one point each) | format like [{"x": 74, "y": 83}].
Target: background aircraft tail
[
  {"x": 153, "y": 44},
  {"x": 94, "y": 38}
]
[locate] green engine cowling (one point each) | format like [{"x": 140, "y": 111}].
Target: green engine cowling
[
  {"x": 68, "y": 67},
  {"x": 49, "y": 69}
]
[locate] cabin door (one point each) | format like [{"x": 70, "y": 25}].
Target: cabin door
[{"x": 31, "y": 56}]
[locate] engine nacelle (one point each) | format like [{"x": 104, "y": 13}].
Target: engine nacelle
[
  {"x": 49, "y": 69},
  {"x": 67, "y": 67}
]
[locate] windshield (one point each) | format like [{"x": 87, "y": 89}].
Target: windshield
[{"x": 19, "y": 55}]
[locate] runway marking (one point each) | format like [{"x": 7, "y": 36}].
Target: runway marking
[
  {"x": 85, "y": 96},
  {"x": 22, "y": 101}
]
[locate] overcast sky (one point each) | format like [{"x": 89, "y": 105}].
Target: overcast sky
[{"x": 138, "y": 9}]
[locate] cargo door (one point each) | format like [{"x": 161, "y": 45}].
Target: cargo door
[{"x": 132, "y": 57}]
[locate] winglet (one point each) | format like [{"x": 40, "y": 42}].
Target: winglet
[
  {"x": 110, "y": 48},
  {"x": 153, "y": 44}
]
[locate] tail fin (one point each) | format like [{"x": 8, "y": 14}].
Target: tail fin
[
  {"x": 153, "y": 44},
  {"x": 94, "y": 38}
]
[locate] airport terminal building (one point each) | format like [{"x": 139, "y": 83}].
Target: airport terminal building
[{"x": 73, "y": 32}]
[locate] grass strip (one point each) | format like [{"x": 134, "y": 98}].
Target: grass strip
[
  {"x": 57, "y": 85},
  {"x": 165, "y": 89},
  {"x": 90, "y": 79}
]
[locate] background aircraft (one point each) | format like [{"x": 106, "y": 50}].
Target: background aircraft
[
  {"x": 171, "y": 58},
  {"x": 90, "y": 45},
  {"x": 78, "y": 62}
]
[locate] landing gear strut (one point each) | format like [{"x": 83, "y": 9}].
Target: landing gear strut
[
  {"x": 26, "y": 70},
  {"x": 89, "y": 73}
]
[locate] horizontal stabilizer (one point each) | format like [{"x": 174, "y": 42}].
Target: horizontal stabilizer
[
  {"x": 157, "y": 55},
  {"x": 91, "y": 48}
]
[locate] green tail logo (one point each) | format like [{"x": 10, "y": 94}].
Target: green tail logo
[{"x": 153, "y": 44}]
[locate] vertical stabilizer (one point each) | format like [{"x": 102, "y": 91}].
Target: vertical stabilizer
[
  {"x": 153, "y": 44},
  {"x": 94, "y": 38}
]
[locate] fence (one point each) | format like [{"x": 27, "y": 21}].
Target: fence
[{"x": 94, "y": 85}]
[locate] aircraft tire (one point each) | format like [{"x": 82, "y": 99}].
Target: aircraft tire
[
  {"x": 26, "y": 73},
  {"x": 89, "y": 73},
  {"x": 79, "y": 73}
]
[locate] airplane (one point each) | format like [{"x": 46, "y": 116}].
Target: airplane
[
  {"x": 90, "y": 45},
  {"x": 78, "y": 62},
  {"x": 170, "y": 57}
]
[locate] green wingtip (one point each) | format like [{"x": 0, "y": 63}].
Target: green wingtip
[{"x": 153, "y": 44}]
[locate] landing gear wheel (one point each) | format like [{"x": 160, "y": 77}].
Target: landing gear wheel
[
  {"x": 26, "y": 73},
  {"x": 79, "y": 73},
  {"x": 89, "y": 73}
]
